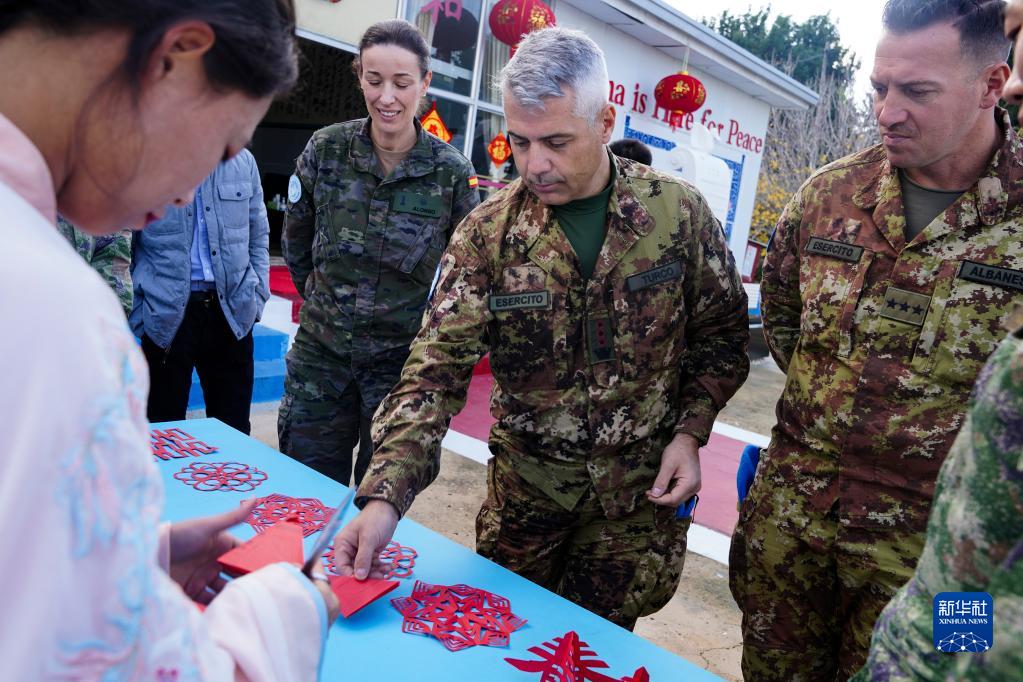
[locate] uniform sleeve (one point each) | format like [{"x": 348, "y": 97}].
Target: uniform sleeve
[
  {"x": 717, "y": 331},
  {"x": 300, "y": 220},
  {"x": 111, "y": 258},
  {"x": 412, "y": 420},
  {"x": 259, "y": 238},
  {"x": 467, "y": 195},
  {"x": 780, "y": 301}
]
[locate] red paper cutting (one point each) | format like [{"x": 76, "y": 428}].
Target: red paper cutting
[
  {"x": 308, "y": 512},
  {"x": 458, "y": 615},
  {"x": 354, "y": 594},
  {"x": 282, "y": 542},
  {"x": 567, "y": 659},
  {"x": 401, "y": 558},
  {"x": 176, "y": 444},
  {"x": 230, "y": 476}
]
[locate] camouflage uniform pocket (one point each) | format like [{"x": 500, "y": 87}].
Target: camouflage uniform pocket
[
  {"x": 651, "y": 318},
  {"x": 831, "y": 290},
  {"x": 963, "y": 326},
  {"x": 529, "y": 333}
]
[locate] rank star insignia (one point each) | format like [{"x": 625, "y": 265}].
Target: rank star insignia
[{"x": 905, "y": 306}]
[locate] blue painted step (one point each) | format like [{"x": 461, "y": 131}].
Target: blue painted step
[{"x": 269, "y": 349}]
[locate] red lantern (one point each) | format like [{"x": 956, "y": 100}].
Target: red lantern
[
  {"x": 680, "y": 92},
  {"x": 512, "y": 19}
]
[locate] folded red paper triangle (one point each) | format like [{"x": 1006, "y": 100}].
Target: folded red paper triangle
[
  {"x": 353, "y": 594},
  {"x": 279, "y": 542}
]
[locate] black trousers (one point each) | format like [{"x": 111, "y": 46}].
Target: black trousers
[{"x": 224, "y": 363}]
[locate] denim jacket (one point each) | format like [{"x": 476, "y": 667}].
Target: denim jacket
[{"x": 239, "y": 238}]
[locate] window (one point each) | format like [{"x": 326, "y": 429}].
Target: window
[
  {"x": 451, "y": 28},
  {"x": 488, "y": 126}
]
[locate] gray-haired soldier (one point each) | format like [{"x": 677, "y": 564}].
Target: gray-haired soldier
[{"x": 587, "y": 280}]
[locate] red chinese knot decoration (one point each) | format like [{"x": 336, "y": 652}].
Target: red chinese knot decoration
[
  {"x": 499, "y": 149},
  {"x": 512, "y": 19},
  {"x": 307, "y": 512},
  {"x": 231, "y": 476},
  {"x": 458, "y": 615},
  {"x": 567, "y": 659},
  {"x": 680, "y": 92}
]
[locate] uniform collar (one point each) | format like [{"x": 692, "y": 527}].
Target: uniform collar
[
  {"x": 627, "y": 221},
  {"x": 24, "y": 170},
  {"x": 989, "y": 197},
  {"x": 419, "y": 162}
]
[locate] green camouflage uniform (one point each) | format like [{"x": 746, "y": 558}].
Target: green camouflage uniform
[
  {"x": 974, "y": 542},
  {"x": 363, "y": 250},
  {"x": 109, "y": 255},
  {"x": 592, "y": 380},
  {"x": 882, "y": 341}
]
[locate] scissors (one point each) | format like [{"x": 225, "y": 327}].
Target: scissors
[{"x": 329, "y": 531}]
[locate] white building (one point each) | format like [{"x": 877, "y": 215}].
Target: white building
[{"x": 644, "y": 40}]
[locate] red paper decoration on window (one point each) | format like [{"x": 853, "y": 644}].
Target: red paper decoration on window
[
  {"x": 499, "y": 150},
  {"x": 512, "y": 19},
  {"x": 434, "y": 124}
]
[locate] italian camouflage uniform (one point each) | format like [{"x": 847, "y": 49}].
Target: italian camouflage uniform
[
  {"x": 881, "y": 341},
  {"x": 592, "y": 380},
  {"x": 974, "y": 541},
  {"x": 109, "y": 255},
  {"x": 363, "y": 250}
]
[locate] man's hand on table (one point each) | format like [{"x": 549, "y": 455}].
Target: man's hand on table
[{"x": 357, "y": 547}]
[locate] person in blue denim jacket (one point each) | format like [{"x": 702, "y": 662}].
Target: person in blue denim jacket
[{"x": 201, "y": 279}]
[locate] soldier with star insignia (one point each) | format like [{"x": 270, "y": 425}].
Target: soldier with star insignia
[{"x": 885, "y": 289}]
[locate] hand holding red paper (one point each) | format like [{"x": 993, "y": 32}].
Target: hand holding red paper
[
  {"x": 358, "y": 546},
  {"x": 679, "y": 476},
  {"x": 195, "y": 546}
]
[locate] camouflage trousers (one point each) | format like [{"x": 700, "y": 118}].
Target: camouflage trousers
[
  {"x": 620, "y": 569},
  {"x": 810, "y": 589},
  {"x": 328, "y": 406}
]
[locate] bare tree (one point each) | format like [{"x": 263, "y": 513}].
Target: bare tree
[{"x": 798, "y": 142}]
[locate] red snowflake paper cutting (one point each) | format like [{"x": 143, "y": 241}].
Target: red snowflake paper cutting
[
  {"x": 308, "y": 512},
  {"x": 567, "y": 659},
  {"x": 400, "y": 557},
  {"x": 176, "y": 444},
  {"x": 458, "y": 615},
  {"x": 230, "y": 476}
]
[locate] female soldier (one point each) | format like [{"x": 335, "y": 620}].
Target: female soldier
[
  {"x": 109, "y": 111},
  {"x": 371, "y": 207}
]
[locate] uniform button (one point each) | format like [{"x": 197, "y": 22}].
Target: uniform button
[
  {"x": 220, "y": 296},
  {"x": 213, "y": 253},
  {"x": 237, "y": 194},
  {"x": 207, "y": 208}
]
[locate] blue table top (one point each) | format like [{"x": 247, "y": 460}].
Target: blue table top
[{"x": 370, "y": 644}]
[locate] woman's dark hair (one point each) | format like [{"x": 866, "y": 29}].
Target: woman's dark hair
[
  {"x": 255, "y": 49},
  {"x": 980, "y": 23},
  {"x": 395, "y": 32}
]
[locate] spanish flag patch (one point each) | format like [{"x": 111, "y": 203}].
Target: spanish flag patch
[{"x": 474, "y": 181}]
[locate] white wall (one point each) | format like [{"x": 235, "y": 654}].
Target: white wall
[{"x": 637, "y": 68}]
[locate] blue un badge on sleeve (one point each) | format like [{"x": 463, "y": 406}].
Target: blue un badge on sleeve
[
  {"x": 294, "y": 189},
  {"x": 964, "y": 622}
]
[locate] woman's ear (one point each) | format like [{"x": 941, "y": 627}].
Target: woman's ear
[{"x": 180, "y": 51}]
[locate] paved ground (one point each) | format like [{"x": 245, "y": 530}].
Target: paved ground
[{"x": 701, "y": 623}]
